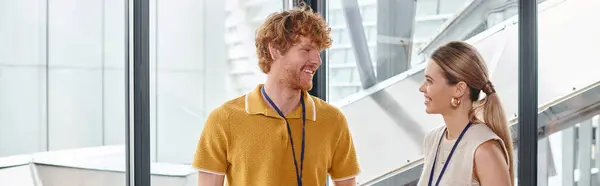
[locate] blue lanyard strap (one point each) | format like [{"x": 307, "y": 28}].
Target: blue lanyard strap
[
  {"x": 298, "y": 173},
  {"x": 449, "y": 155}
]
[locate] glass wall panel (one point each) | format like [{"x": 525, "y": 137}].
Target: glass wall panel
[
  {"x": 376, "y": 66},
  {"x": 202, "y": 54},
  {"x": 62, "y": 92},
  {"x": 568, "y": 75}
]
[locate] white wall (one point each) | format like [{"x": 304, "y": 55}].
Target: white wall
[
  {"x": 18, "y": 176},
  {"x": 22, "y": 77},
  {"x": 80, "y": 81},
  {"x": 190, "y": 60},
  {"x": 62, "y": 176},
  {"x": 68, "y": 62}
]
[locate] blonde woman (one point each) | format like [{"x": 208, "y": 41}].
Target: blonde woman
[{"x": 474, "y": 146}]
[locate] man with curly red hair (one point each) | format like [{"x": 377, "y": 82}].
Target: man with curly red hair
[{"x": 278, "y": 134}]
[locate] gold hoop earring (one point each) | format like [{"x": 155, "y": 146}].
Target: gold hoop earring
[{"x": 455, "y": 102}]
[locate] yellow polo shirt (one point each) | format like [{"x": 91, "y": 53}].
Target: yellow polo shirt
[{"x": 247, "y": 141}]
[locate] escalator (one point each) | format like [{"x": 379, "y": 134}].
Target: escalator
[{"x": 388, "y": 135}]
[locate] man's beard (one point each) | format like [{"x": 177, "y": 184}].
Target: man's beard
[{"x": 294, "y": 81}]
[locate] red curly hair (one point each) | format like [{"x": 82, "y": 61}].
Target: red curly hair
[{"x": 283, "y": 30}]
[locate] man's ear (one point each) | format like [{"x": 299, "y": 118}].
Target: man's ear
[
  {"x": 274, "y": 52},
  {"x": 461, "y": 89}
]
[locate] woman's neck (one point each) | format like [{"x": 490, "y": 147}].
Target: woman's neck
[{"x": 455, "y": 123}]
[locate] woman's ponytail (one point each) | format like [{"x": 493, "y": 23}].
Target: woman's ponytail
[{"x": 494, "y": 118}]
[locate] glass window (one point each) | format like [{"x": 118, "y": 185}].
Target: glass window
[
  {"x": 389, "y": 47},
  {"x": 413, "y": 32},
  {"x": 202, "y": 54},
  {"x": 62, "y": 92},
  {"x": 567, "y": 75}
]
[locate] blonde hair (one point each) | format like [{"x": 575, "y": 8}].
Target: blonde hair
[
  {"x": 283, "y": 29},
  {"x": 461, "y": 62}
]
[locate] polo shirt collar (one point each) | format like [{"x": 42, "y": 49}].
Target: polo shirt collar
[{"x": 256, "y": 105}]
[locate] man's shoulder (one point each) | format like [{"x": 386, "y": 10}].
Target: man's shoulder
[
  {"x": 327, "y": 112},
  {"x": 323, "y": 106},
  {"x": 230, "y": 108}
]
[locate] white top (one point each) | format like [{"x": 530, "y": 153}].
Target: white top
[{"x": 460, "y": 168}]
